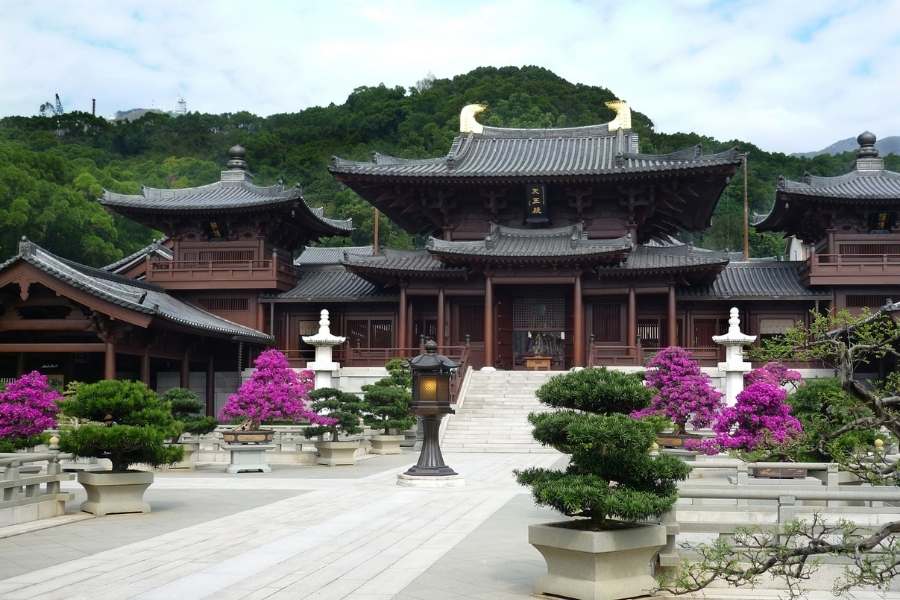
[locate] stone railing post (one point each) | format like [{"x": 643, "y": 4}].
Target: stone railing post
[
  {"x": 734, "y": 367},
  {"x": 323, "y": 365}
]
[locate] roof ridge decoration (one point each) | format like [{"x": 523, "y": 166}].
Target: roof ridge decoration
[
  {"x": 867, "y": 159},
  {"x": 467, "y": 121},
  {"x": 621, "y": 122}
]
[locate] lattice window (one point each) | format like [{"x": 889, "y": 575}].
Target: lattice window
[
  {"x": 370, "y": 333},
  {"x": 220, "y": 254},
  {"x": 381, "y": 333},
  {"x": 225, "y": 304},
  {"x": 539, "y": 314},
  {"x": 358, "y": 332},
  {"x": 607, "y": 326},
  {"x": 866, "y": 301}
]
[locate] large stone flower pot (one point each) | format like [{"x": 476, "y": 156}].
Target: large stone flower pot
[
  {"x": 261, "y": 436},
  {"x": 337, "y": 453},
  {"x": 191, "y": 451},
  {"x": 386, "y": 444},
  {"x": 109, "y": 493},
  {"x": 596, "y": 565}
]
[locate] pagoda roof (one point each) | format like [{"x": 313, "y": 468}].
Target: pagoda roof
[
  {"x": 868, "y": 184},
  {"x": 157, "y": 247},
  {"x": 513, "y": 245},
  {"x": 757, "y": 279},
  {"x": 332, "y": 283},
  {"x": 137, "y": 296},
  {"x": 329, "y": 255},
  {"x": 390, "y": 265},
  {"x": 660, "y": 258}
]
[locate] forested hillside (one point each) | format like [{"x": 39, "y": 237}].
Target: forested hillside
[{"x": 52, "y": 169}]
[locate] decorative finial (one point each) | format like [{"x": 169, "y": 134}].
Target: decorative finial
[
  {"x": 431, "y": 347},
  {"x": 734, "y": 320},
  {"x": 623, "y": 115},
  {"x": 866, "y": 141},
  {"x": 237, "y": 154},
  {"x": 324, "y": 322},
  {"x": 467, "y": 122}
]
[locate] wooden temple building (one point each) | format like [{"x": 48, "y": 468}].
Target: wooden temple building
[{"x": 543, "y": 248}]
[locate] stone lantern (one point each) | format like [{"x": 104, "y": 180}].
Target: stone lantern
[
  {"x": 734, "y": 367},
  {"x": 324, "y": 341},
  {"x": 431, "y": 401}
]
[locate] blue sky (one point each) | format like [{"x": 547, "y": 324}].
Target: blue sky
[{"x": 790, "y": 75}]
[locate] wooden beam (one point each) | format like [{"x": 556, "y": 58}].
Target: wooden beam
[
  {"x": 52, "y": 348},
  {"x": 44, "y": 325}
]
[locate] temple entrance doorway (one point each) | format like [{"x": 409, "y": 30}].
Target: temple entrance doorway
[{"x": 538, "y": 330}]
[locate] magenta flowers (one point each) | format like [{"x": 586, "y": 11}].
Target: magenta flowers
[
  {"x": 28, "y": 406},
  {"x": 685, "y": 394},
  {"x": 773, "y": 372},
  {"x": 274, "y": 392}
]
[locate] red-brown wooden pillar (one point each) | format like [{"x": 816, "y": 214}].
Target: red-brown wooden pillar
[
  {"x": 20, "y": 364},
  {"x": 109, "y": 361},
  {"x": 145, "y": 367},
  {"x": 488, "y": 321},
  {"x": 578, "y": 334},
  {"x": 210, "y": 386},
  {"x": 440, "y": 318},
  {"x": 632, "y": 317},
  {"x": 672, "y": 318},
  {"x": 185, "y": 379},
  {"x": 401, "y": 325}
]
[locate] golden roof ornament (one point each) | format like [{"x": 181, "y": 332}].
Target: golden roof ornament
[
  {"x": 623, "y": 115},
  {"x": 467, "y": 122}
]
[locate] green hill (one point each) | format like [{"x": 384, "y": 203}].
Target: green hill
[{"x": 52, "y": 169}]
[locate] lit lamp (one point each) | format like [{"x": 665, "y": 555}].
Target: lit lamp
[{"x": 431, "y": 401}]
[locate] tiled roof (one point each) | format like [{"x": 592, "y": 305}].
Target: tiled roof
[
  {"x": 863, "y": 185},
  {"x": 134, "y": 295},
  {"x": 400, "y": 262},
  {"x": 676, "y": 256},
  {"x": 758, "y": 279},
  {"x": 329, "y": 255},
  {"x": 519, "y": 243},
  {"x": 333, "y": 284},
  {"x": 155, "y": 247},
  {"x": 580, "y": 151}
]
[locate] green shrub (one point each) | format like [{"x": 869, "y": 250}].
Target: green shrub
[
  {"x": 123, "y": 421},
  {"x": 342, "y": 408},
  {"x": 611, "y": 474},
  {"x": 387, "y": 400},
  {"x": 187, "y": 410}
]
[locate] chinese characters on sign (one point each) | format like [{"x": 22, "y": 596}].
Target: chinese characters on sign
[{"x": 536, "y": 203}]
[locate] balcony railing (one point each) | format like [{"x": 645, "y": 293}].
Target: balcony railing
[
  {"x": 865, "y": 269},
  {"x": 601, "y": 355},
  {"x": 267, "y": 272}
]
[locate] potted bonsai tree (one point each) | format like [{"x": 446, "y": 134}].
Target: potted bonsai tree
[
  {"x": 187, "y": 408},
  {"x": 612, "y": 486},
  {"x": 684, "y": 395},
  {"x": 274, "y": 392},
  {"x": 28, "y": 406},
  {"x": 387, "y": 407},
  {"x": 339, "y": 414},
  {"x": 127, "y": 423}
]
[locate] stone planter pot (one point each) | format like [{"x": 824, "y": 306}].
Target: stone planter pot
[
  {"x": 191, "y": 451},
  {"x": 596, "y": 565},
  {"x": 675, "y": 440},
  {"x": 779, "y": 473},
  {"x": 261, "y": 436},
  {"x": 337, "y": 453},
  {"x": 110, "y": 493},
  {"x": 386, "y": 444}
]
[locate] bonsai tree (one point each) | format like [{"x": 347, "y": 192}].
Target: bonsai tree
[
  {"x": 387, "y": 400},
  {"x": 28, "y": 406},
  {"x": 274, "y": 392},
  {"x": 125, "y": 421},
  {"x": 684, "y": 393},
  {"x": 336, "y": 412},
  {"x": 187, "y": 408},
  {"x": 611, "y": 474}
]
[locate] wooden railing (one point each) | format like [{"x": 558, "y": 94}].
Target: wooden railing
[
  {"x": 600, "y": 355},
  {"x": 825, "y": 269},
  {"x": 267, "y": 270}
]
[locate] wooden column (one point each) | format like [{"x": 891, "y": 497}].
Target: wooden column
[
  {"x": 578, "y": 334},
  {"x": 672, "y": 318},
  {"x": 185, "y": 379},
  {"x": 632, "y": 317},
  {"x": 20, "y": 364},
  {"x": 440, "y": 318},
  {"x": 412, "y": 342},
  {"x": 488, "y": 321},
  {"x": 109, "y": 361},
  {"x": 145, "y": 368},
  {"x": 210, "y": 386},
  {"x": 401, "y": 325}
]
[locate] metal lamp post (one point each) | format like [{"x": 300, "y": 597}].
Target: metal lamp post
[{"x": 431, "y": 401}]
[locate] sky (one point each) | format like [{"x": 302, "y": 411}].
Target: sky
[{"x": 788, "y": 75}]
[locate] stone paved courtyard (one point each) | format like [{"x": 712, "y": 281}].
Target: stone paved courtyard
[{"x": 301, "y": 532}]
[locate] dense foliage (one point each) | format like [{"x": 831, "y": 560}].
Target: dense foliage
[
  {"x": 340, "y": 413},
  {"x": 124, "y": 421},
  {"x": 187, "y": 409},
  {"x": 53, "y": 168},
  {"x": 684, "y": 393},
  {"x": 612, "y": 473},
  {"x": 28, "y": 406},
  {"x": 387, "y": 400},
  {"x": 274, "y": 392}
]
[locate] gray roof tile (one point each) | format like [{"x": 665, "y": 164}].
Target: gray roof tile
[
  {"x": 757, "y": 279},
  {"x": 155, "y": 247},
  {"x": 401, "y": 261},
  {"x": 329, "y": 255},
  {"x": 865, "y": 185},
  {"x": 333, "y": 284}
]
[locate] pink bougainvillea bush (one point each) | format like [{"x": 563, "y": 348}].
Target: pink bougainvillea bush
[
  {"x": 274, "y": 392},
  {"x": 28, "y": 406},
  {"x": 684, "y": 393},
  {"x": 775, "y": 373}
]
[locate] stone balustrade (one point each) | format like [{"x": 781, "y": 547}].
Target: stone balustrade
[{"x": 26, "y": 496}]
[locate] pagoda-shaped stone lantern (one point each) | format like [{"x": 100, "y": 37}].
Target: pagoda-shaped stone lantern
[
  {"x": 323, "y": 365},
  {"x": 734, "y": 367}
]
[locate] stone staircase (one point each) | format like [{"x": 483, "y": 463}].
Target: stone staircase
[{"x": 493, "y": 416}]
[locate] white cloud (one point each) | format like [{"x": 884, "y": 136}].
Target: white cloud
[{"x": 788, "y": 76}]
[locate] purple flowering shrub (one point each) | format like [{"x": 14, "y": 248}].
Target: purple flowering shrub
[
  {"x": 684, "y": 393},
  {"x": 775, "y": 373},
  {"x": 274, "y": 392},
  {"x": 28, "y": 406}
]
